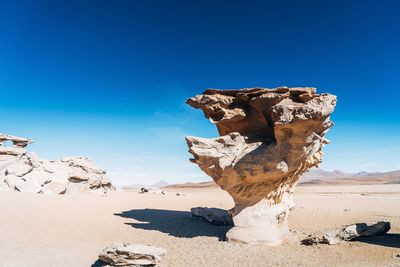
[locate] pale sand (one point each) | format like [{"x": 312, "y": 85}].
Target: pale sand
[{"x": 43, "y": 230}]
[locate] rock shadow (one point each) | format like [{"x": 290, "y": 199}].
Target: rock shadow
[
  {"x": 175, "y": 223},
  {"x": 386, "y": 240}
]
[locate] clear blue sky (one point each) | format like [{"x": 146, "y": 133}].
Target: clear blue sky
[{"x": 108, "y": 79}]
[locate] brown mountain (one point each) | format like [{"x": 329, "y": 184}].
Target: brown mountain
[
  {"x": 193, "y": 185},
  {"x": 323, "y": 177}
]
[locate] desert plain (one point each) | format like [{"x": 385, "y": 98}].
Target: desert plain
[{"x": 71, "y": 230}]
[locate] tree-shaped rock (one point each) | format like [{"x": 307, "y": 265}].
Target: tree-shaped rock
[{"x": 268, "y": 139}]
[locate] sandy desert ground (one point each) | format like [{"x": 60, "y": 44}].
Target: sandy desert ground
[{"x": 70, "y": 230}]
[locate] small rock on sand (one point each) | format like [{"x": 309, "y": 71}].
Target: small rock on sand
[
  {"x": 131, "y": 254},
  {"x": 349, "y": 232},
  {"x": 213, "y": 215}
]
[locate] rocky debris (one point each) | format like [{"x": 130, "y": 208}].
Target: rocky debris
[
  {"x": 26, "y": 172},
  {"x": 143, "y": 190},
  {"x": 269, "y": 138},
  {"x": 146, "y": 190},
  {"x": 213, "y": 215},
  {"x": 131, "y": 254},
  {"x": 346, "y": 233},
  {"x": 179, "y": 194}
]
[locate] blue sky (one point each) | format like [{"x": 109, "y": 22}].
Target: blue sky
[{"x": 108, "y": 79}]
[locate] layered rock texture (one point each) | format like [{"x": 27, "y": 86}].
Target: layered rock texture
[
  {"x": 26, "y": 172},
  {"x": 268, "y": 138}
]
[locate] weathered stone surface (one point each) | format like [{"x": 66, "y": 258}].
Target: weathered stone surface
[
  {"x": 26, "y": 172},
  {"x": 348, "y": 232},
  {"x": 131, "y": 254},
  {"x": 269, "y": 137},
  {"x": 213, "y": 215}
]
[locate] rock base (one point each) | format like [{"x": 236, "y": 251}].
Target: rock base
[{"x": 263, "y": 223}]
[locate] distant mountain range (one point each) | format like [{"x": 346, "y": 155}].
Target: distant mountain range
[
  {"x": 323, "y": 177},
  {"x": 320, "y": 176},
  {"x": 193, "y": 185},
  {"x": 159, "y": 184}
]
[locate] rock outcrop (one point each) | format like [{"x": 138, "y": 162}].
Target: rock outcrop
[
  {"x": 131, "y": 254},
  {"x": 26, "y": 172},
  {"x": 346, "y": 233},
  {"x": 268, "y": 138}
]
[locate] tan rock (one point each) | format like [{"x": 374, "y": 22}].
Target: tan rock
[
  {"x": 348, "y": 232},
  {"x": 269, "y": 137},
  {"x": 131, "y": 254}
]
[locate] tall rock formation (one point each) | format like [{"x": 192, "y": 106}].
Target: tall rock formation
[
  {"x": 26, "y": 172},
  {"x": 268, "y": 138}
]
